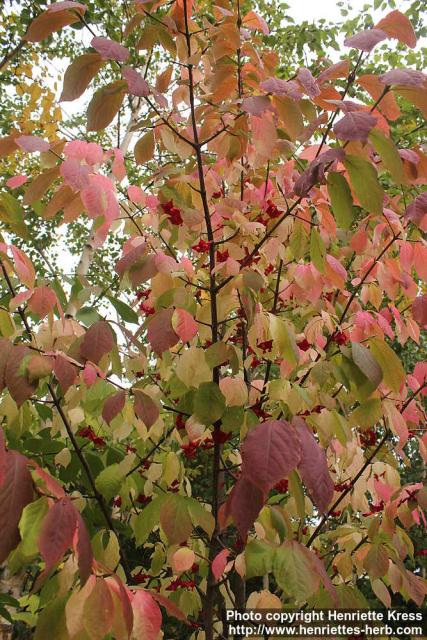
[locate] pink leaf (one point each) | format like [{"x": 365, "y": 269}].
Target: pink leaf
[
  {"x": 270, "y": 452},
  {"x": 89, "y": 374},
  {"x": 403, "y": 77},
  {"x": 16, "y": 181},
  {"x": 97, "y": 341},
  {"x": 15, "y": 493},
  {"x": 110, "y": 49},
  {"x": 147, "y": 616},
  {"x": 75, "y": 175},
  {"x": 419, "y": 310},
  {"x": 219, "y": 563},
  {"x": 184, "y": 325},
  {"x": 32, "y": 143},
  {"x": 279, "y": 87},
  {"x": 308, "y": 83},
  {"x": 23, "y": 267},
  {"x": 313, "y": 467},
  {"x": 113, "y": 405},
  {"x": 145, "y": 408},
  {"x": 138, "y": 264},
  {"x": 57, "y": 532},
  {"x": 256, "y": 105},
  {"x": 116, "y": 585},
  {"x": 356, "y": 125},
  {"x": 416, "y": 211},
  {"x": 160, "y": 333},
  {"x": 366, "y": 40},
  {"x": 43, "y": 301},
  {"x": 66, "y": 4},
  {"x": 136, "y": 83}
]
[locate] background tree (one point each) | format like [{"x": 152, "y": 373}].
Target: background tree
[{"x": 211, "y": 410}]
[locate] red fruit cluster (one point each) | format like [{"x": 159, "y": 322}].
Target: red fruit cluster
[
  {"x": 180, "y": 422},
  {"x": 190, "y": 449},
  {"x": 146, "y": 308},
  {"x": 143, "y": 294},
  {"x": 375, "y": 508},
  {"x": 282, "y": 485},
  {"x": 142, "y": 499},
  {"x": 202, "y": 246},
  {"x": 369, "y": 438},
  {"x": 304, "y": 344},
  {"x": 340, "y": 338},
  {"x": 421, "y": 552},
  {"x": 181, "y": 584},
  {"x": 173, "y": 213},
  {"x": 272, "y": 211},
  {"x": 117, "y": 502},
  {"x": 222, "y": 256},
  {"x": 88, "y": 432},
  {"x": 140, "y": 577},
  {"x": 265, "y": 346}
]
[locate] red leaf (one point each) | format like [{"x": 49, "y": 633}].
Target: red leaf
[
  {"x": 84, "y": 550},
  {"x": 116, "y": 585},
  {"x": 419, "y": 310},
  {"x": 270, "y": 452},
  {"x": 53, "y": 487},
  {"x": 65, "y": 373},
  {"x": 308, "y": 82},
  {"x": 136, "y": 83},
  {"x": 97, "y": 341},
  {"x": 113, "y": 405},
  {"x": 184, "y": 325},
  {"x": 57, "y": 532},
  {"x": 366, "y": 40},
  {"x": 5, "y": 348},
  {"x": 42, "y": 301},
  {"x": 15, "y": 493},
  {"x": 138, "y": 264},
  {"x": 219, "y": 563},
  {"x": 3, "y": 457},
  {"x": 147, "y": 616},
  {"x": 32, "y": 143},
  {"x": 416, "y": 211},
  {"x": 313, "y": 467},
  {"x": 397, "y": 25},
  {"x": 244, "y": 504},
  {"x": 170, "y": 606},
  {"x": 145, "y": 408},
  {"x": 404, "y": 77},
  {"x": 160, "y": 333},
  {"x": 19, "y": 387},
  {"x": 355, "y": 125},
  {"x": 110, "y": 49}
]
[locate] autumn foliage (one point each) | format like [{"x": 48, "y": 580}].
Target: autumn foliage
[{"x": 226, "y": 423}]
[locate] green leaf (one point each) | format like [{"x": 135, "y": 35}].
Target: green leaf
[
  {"x": 367, "y": 414},
  {"x": 124, "y": 310},
  {"x": 30, "y": 525},
  {"x": 209, "y": 403},
  {"x": 386, "y": 148},
  {"x": 12, "y": 214},
  {"x": 259, "y": 557},
  {"x": 341, "y": 200},
  {"x": 175, "y": 519},
  {"x": 317, "y": 250},
  {"x": 298, "y": 240},
  {"x": 51, "y": 623},
  {"x": 294, "y": 571},
  {"x": 283, "y": 340},
  {"x": 297, "y": 492},
  {"x": 364, "y": 180},
  {"x": 146, "y": 520},
  {"x": 392, "y": 368},
  {"x": 200, "y": 516},
  {"x": 108, "y": 482},
  {"x": 363, "y": 359}
]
